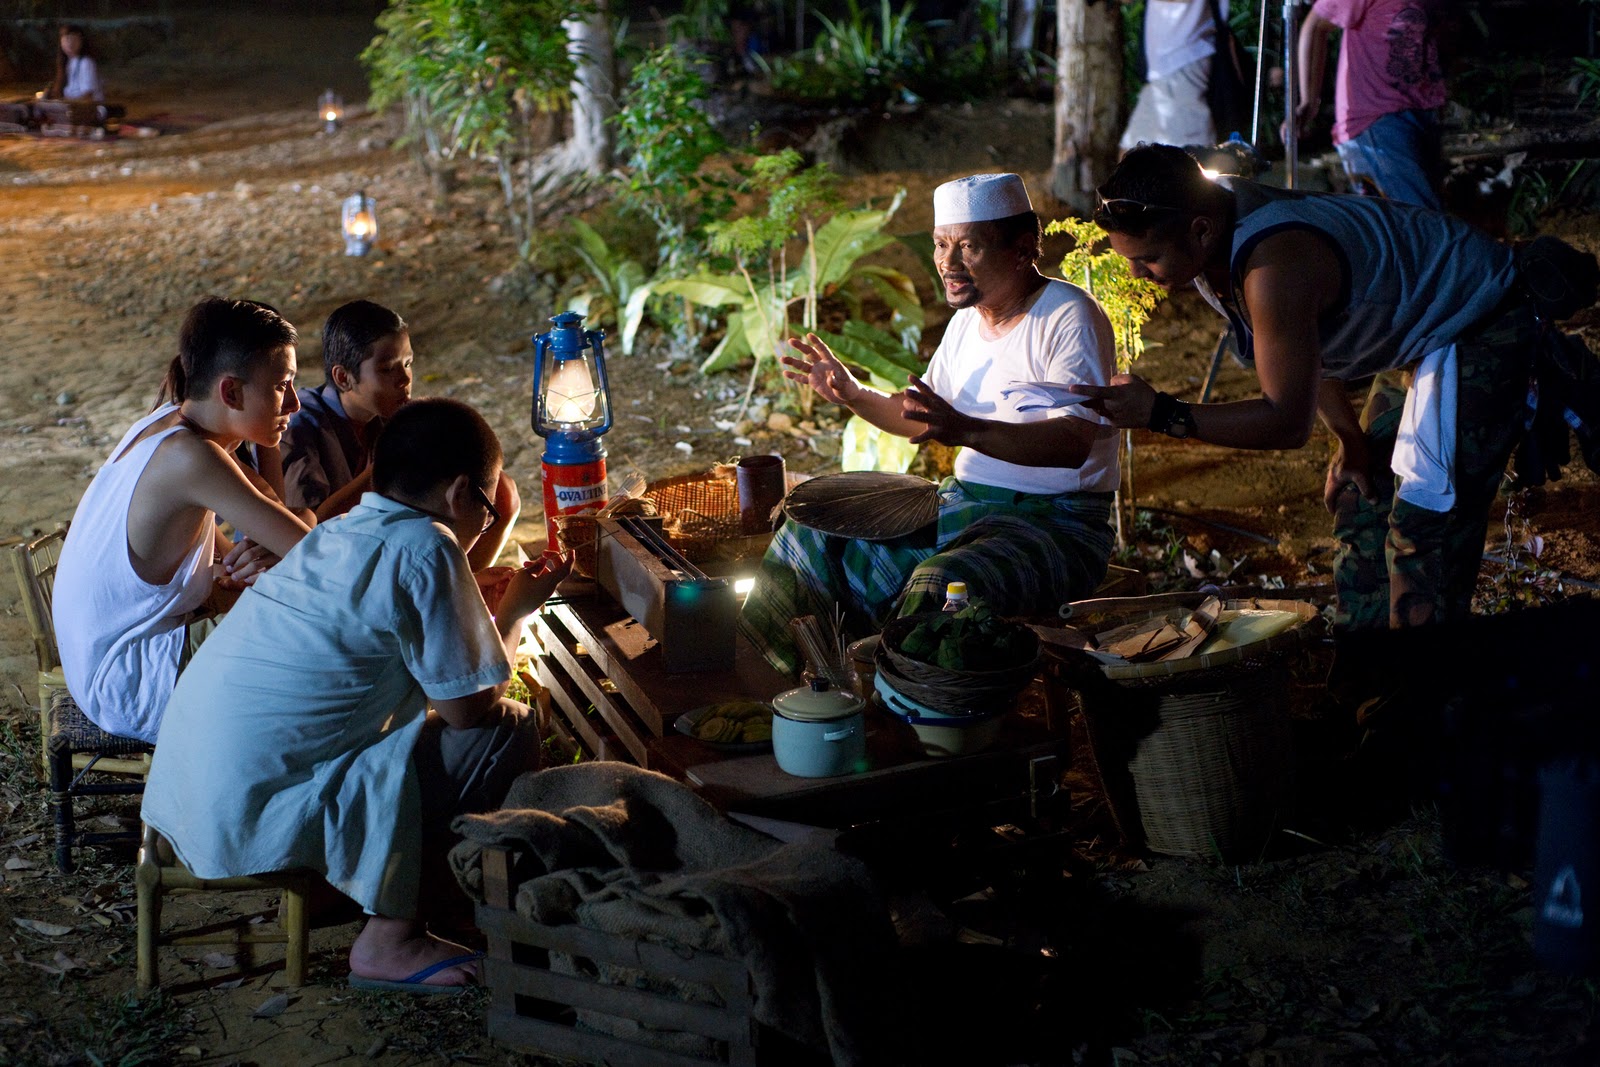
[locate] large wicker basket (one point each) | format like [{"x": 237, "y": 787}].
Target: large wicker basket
[{"x": 1196, "y": 755}]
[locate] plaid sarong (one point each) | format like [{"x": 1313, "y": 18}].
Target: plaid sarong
[{"x": 1021, "y": 553}]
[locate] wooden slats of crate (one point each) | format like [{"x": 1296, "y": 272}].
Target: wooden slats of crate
[
  {"x": 532, "y": 1007},
  {"x": 588, "y": 708},
  {"x": 609, "y": 685}
]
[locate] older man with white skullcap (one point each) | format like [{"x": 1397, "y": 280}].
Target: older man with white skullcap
[{"x": 1025, "y": 520}]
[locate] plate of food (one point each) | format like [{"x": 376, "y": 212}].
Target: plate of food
[{"x": 744, "y": 725}]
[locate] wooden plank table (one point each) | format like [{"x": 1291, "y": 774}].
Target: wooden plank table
[{"x": 614, "y": 696}]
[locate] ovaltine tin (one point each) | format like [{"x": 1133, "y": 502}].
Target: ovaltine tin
[{"x": 572, "y": 489}]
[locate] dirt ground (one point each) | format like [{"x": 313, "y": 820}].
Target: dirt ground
[{"x": 1361, "y": 946}]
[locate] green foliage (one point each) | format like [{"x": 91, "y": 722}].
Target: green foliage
[
  {"x": 1128, "y": 300},
  {"x": 700, "y": 20},
  {"x": 1132, "y": 50},
  {"x": 665, "y": 140},
  {"x": 1522, "y": 581},
  {"x": 972, "y": 639},
  {"x": 1532, "y": 195},
  {"x": 471, "y": 74},
  {"x": 1586, "y": 76},
  {"x": 768, "y": 283},
  {"x": 614, "y": 278},
  {"x": 858, "y": 59},
  {"x": 888, "y": 359}
]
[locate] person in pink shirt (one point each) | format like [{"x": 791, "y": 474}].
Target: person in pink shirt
[{"x": 1388, "y": 87}]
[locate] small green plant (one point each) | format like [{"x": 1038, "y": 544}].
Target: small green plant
[
  {"x": 857, "y": 59},
  {"x": 1128, "y": 301},
  {"x": 666, "y": 140},
  {"x": 1586, "y": 79},
  {"x": 472, "y": 74},
  {"x": 1533, "y": 194},
  {"x": 769, "y": 282},
  {"x": 1522, "y": 581}
]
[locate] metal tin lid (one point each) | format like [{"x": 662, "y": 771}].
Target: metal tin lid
[{"x": 818, "y": 702}]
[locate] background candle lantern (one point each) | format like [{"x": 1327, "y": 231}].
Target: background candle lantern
[
  {"x": 330, "y": 108},
  {"x": 571, "y": 410},
  {"x": 359, "y": 217}
]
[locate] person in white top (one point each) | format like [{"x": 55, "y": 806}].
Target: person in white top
[
  {"x": 143, "y": 566},
  {"x": 301, "y": 735},
  {"x": 1180, "y": 39},
  {"x": 77, "y": 73},
  {"x": 1025, "y": 519}
]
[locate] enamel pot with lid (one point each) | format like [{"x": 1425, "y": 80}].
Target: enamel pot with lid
[{"x": 819, "y": 731}]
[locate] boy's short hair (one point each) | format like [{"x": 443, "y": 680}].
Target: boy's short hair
[
  {"x": 222, "y": 338},
  {"x": 352, "y": 330},
  {"x": 1156, "y": 189},
  {"x": 429, "y": 443}
]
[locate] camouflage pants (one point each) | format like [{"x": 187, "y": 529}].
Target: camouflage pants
[{"x": 1402, "y": 565}]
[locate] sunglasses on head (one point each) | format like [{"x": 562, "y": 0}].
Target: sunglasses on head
[{"x": 1126, "y": 209}]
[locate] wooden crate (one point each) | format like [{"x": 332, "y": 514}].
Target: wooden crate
[
  {"x": 532, "y": 1007},
  {"x": 609, "y": 688}
]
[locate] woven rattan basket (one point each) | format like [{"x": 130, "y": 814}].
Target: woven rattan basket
[
  {"x": 1196, "y": 754},
  {"x": 700, "y": 515},
  {"x": 946, "y": 691},
  {"x": 698, "y": 510}
]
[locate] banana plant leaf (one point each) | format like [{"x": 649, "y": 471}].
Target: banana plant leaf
[
  {"x": 633, "y": 315},
  {"x": 733, "y": 347},
  {"x": 875, "y": 351},
  {"x": 864, "y": 447},
  {"x": 847, "y": 237},
  {"x": 712, "y": 290},
  {"x": 921, "y": 245}
]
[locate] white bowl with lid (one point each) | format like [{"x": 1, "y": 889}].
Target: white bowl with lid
[{"x": 819, "y": 731}]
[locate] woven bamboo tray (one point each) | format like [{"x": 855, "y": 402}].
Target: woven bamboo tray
[{"x": 1196, "y": 754}]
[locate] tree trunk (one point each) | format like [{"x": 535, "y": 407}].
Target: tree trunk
[
  {"x": 594, "y": 96},
  {"x": 1088, "y": 99}
]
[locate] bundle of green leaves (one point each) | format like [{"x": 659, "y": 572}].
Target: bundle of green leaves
[{"x": 971, "y": 639}]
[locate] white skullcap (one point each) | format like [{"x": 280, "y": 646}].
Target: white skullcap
[{"x": 980, "y": 198}]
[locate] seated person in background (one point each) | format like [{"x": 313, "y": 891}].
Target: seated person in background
[
  {"x": 77, "y": 74},
  {"x": 1025, "y": 520},
  {"x": 324, "y": 462},
  {"x": 143, "y": 569},
  {"x": 300, "y": 735}
]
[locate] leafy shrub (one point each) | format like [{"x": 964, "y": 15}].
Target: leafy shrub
[
  {"x": 471, "y": 75},
  {"x": 857, "y": 60},
  {"x": 665, "y": 140}
]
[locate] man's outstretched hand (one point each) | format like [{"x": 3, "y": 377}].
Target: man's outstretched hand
[
  {"x": 1126, "y": 403},
  {"x": 814, "y": 363},
  {"x": 944, "y": 423}
]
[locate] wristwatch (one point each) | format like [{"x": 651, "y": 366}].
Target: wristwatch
[{"x": 1171, "y": 416}]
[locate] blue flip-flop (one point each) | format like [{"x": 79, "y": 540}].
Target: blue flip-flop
[{"x": 417, "y": 983}]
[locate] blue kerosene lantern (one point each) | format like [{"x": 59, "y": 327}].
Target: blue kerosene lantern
[{"x": 571, "y": 409}]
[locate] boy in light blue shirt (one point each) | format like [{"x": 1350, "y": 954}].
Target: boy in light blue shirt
[{"x": 300, "y": 734}]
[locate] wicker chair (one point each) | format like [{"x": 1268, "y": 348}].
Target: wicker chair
[
  {"x": 71, "y": 747},
  {"x": 159, "y": 873}
]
